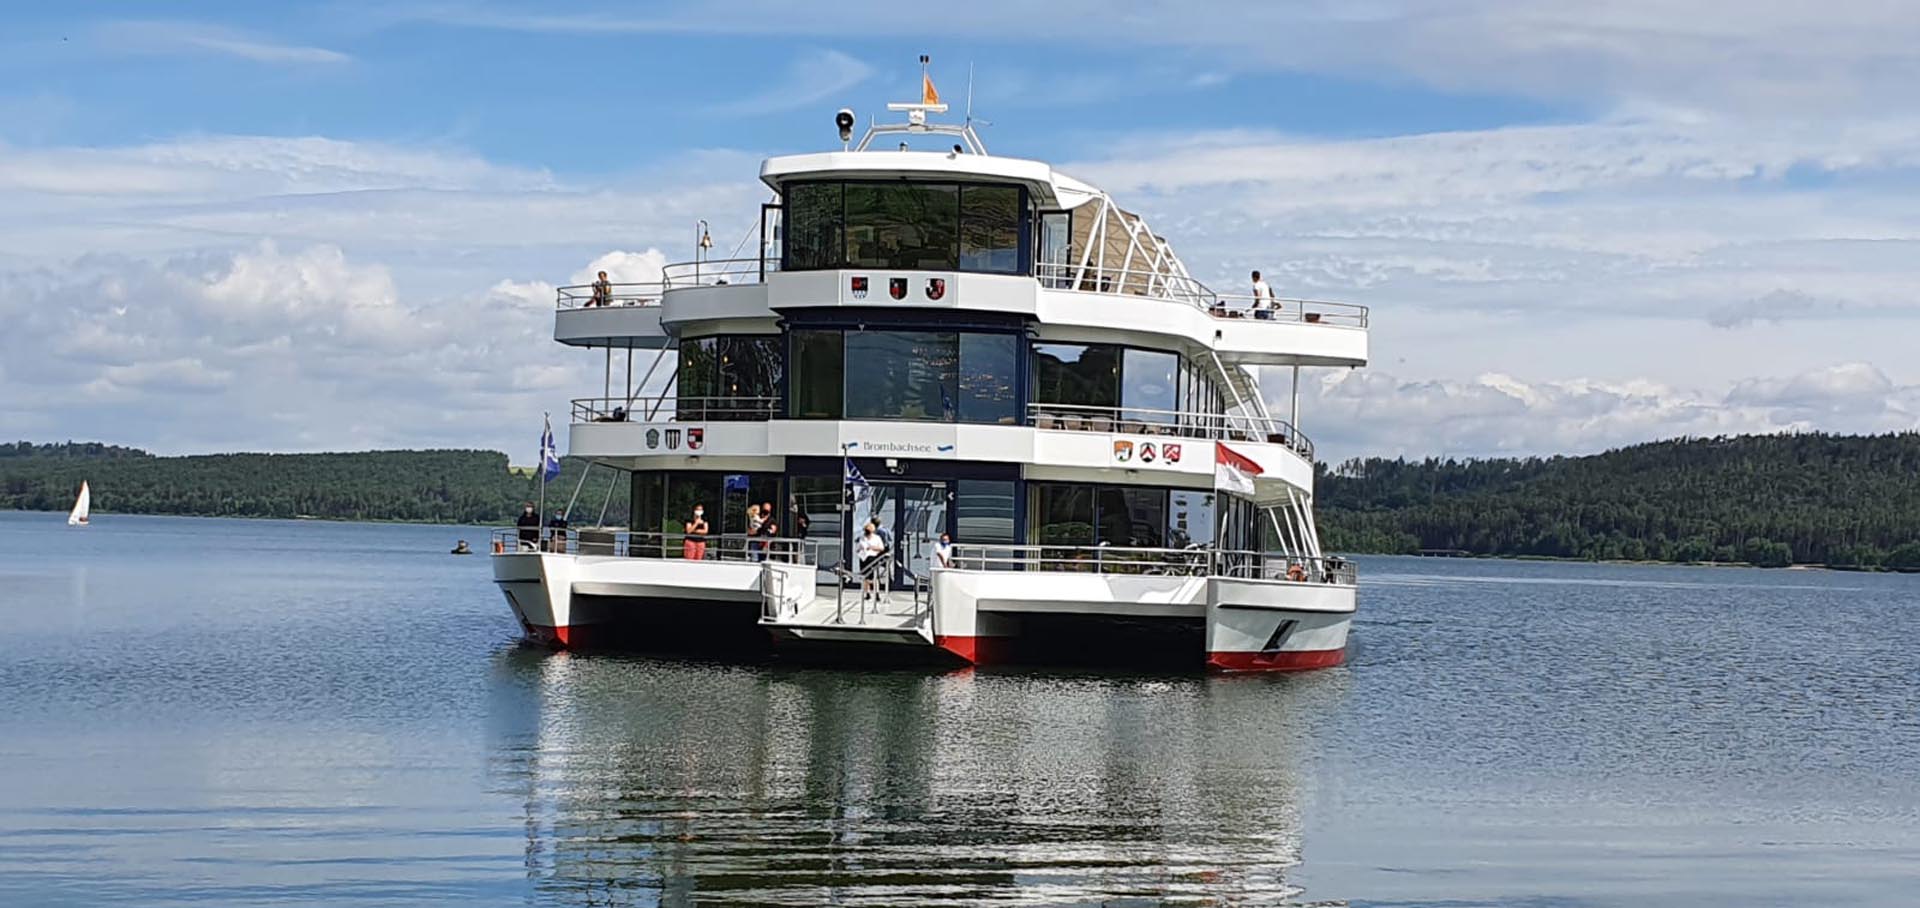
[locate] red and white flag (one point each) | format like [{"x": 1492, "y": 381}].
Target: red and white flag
[{"x": 1232, "y": 470}]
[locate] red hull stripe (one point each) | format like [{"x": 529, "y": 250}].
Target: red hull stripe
[
  {"x": 560, "y": 637},
  {"x": 976, "y": 650},
  {"x": 1285, "y": 661}
]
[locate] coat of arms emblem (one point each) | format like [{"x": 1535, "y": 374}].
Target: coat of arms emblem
[
  {"x": 1122, "y": 451},
  {"x": 936, "y": 287},
  {"x": 673, "y": 439},
  {"x": 858, "y": 285},
  {"x": 897, "y": 287},
  {"x": 695, "y": 437},
  {"x": 653, "y": 439}
]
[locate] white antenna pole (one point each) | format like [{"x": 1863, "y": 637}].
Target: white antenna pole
[{"x": 969, "y": 91}]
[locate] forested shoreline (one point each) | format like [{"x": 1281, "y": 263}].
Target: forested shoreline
[{"x": 1770, "y": 500}]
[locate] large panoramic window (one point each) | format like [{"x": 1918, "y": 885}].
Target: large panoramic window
[
  {"x": 819, "y": 369},
  {"x": 728, "y": 377},
  {"x": 902, "y": 375},
  {"x": 984, "y": 511},
  {"x": 1129, "y": 516},
  {"x": 932, "y": 376},
  {"x": 989, "y": 367},
  {"x": 904, "y": 225},
  {"x": 1078, "y": 375}
]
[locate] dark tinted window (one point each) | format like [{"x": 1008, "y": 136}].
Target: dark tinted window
[
  {"x": 1062, "y": 515},
  {"x": 1076, "y": 374},
  {"x": 813, "y": 225},
  {"x": 903, "y": 225},
  {"x": 698, "y": 382},
  {"x": 902, "y": 375},
  {"x": 989, "y": 365},
  {"x": 1189, "y": 519},
  {"x": 750, "y": 369},
  {"x": 1132, "y": 517},
  {"x": 817, "y": 376},
  {"x": 984, "y": 510}
]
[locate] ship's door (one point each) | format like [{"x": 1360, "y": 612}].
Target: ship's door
[{"x": 914, "y": 514}]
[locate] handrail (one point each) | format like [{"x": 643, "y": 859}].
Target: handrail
[
  {"x": 1141, "y": 282},
  {"x": 675, "y": 409},
  {"x": 718, "y": 272},
  {"x": 728, "y": 547},
  {"x": 1173, "y": 423},
  {"x": 1187, "y": 562},
  {"x": 585, "y": 296},
  {"x": 1303, "y": 311}
]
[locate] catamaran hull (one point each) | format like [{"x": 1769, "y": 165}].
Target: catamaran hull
[{"x": 592, "y": 602}]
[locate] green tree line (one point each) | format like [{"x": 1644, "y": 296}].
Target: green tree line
[
  {"x": 446, "y": 486},
  {"x": 1771, "y": 500}
]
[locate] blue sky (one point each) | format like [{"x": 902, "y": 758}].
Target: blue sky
[{"x": 242, "y": 225}]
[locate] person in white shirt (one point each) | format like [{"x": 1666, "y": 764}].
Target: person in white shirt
[
  {"x": 1263, "y": 301},
  {"x": 870, "y": 547},
  {"x": 943, "y": 552}
]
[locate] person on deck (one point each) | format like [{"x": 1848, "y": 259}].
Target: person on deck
[
  {"x": 943, "y": 552},
  {"x": 1263, "y": 301},
  {"x": 695, "y": 546},
  {"x": 602, "y": 292},
  {"x": 557, "y": 529},
  {"x": 768, "y": 531},
  {"x": 870, "y": 548},
  {"x": 529, "y": 524}
]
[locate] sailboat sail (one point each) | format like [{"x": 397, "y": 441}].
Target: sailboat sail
[{"x": 82, "y": 506}]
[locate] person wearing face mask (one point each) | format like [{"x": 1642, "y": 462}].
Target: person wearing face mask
[
  {"x": 695, "y": 548},
  {"x": 529, "y": 524}
]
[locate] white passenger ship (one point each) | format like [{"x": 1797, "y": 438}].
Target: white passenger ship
[{"x": 945, "y": 341}]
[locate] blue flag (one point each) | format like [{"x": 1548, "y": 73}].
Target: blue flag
[
  {"x": 549, "y": 455},
  {"x": 856, "y": 482}
]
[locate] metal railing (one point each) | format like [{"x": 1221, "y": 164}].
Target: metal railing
[
  {"x": 1170, "y": 423},
  {"x": 587, "y": 296},
  {"x": 1193, "y": 561},
  {"x": 1311, "y": 312},
  {"x": 726, "y": 547},
  {"x": 719, "y": 272},
  {"x": 1142, "y": 282},
  {"x": 675, "y": 409}
]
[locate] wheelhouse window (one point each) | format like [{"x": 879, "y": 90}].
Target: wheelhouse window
[
  {"x": 989, "y": 365},
  {"x": 1130, "y": 516},
  {"x": 1147, "y": 389},
  {"x": 905, "y": 225}
]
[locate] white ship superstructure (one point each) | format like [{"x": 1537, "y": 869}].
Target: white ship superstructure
[{"x": 946, "y": 341}]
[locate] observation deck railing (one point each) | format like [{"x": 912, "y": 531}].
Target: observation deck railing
[
  {"x": 719, "y": 547},
  {"x": 1171, "y": 423},
  {"x": 719, "y": 272},
  {"x": 582, "y": 296},
  {"x": 675, "y": 409},
  {"x": 1193, "y": 561},
  {"x": 1310, "y": 312}
]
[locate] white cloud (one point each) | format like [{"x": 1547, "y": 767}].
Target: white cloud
[
  {"x": 814, "y": 76},
  {"x": 203, "y": 39}
]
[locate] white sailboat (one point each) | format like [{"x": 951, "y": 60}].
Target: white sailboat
[{"x": 82, "y": 507}]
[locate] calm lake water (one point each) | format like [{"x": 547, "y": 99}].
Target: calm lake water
[{"x": 262, "y": 712}]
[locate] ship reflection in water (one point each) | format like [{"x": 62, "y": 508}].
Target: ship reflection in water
[{"x": 653, "y": 781}]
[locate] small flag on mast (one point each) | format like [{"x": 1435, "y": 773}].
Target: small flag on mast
[
  {"x": 549, "y": 455},
  {"x": 928, "y": 95}
]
